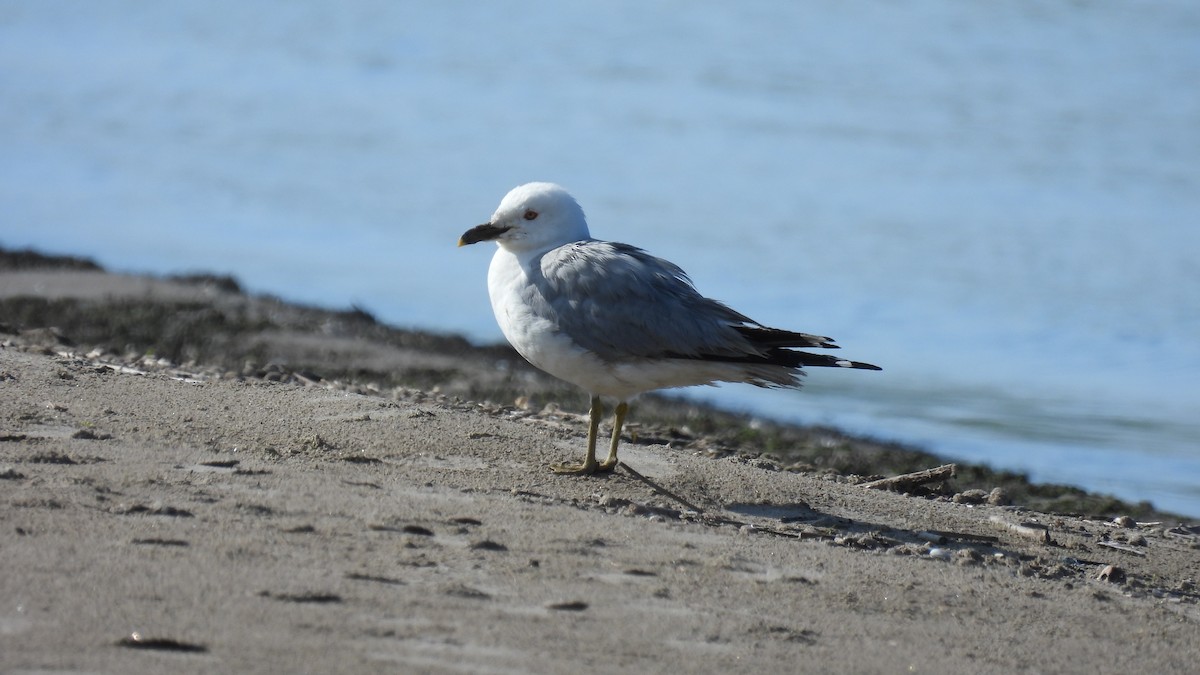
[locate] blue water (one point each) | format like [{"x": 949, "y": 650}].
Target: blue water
[{"x": 997, "y": 202}]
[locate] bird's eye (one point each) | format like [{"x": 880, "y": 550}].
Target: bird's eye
[{"x": 531, "y": 214}]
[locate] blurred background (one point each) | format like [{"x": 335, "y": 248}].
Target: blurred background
[{"x": 999, "y": 203}]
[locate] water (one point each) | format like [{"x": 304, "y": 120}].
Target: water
[{"x": 997, "y": 202}]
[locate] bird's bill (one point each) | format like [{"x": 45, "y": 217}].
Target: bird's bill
[{"x": 480, "y": 233}]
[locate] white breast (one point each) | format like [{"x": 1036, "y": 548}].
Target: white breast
[{"x": 534, "y": 336}]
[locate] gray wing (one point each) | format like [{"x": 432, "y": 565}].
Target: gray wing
[{"x": 619, "y": 301}]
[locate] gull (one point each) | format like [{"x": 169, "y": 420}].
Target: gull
[{"x": 617, "y": 321}]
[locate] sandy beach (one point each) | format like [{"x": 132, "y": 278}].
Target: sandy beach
[{"x": 181, "y": 511}]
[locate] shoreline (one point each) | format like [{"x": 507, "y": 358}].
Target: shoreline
[
  {"x": 182, "y": 500},
  {"x": 206, "y": 320}
]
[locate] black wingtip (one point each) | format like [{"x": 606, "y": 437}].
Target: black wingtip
[
  {"x": 764, "y": 337},
  {"x": 790, "y": 358},
  {"x": 824, "y": 360}
]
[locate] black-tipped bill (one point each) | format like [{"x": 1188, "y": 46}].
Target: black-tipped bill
[{"x": 484, "y": 232}]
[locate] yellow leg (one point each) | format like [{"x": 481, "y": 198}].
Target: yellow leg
[
  {"x": 618, "y": 422},
  {"x": 589, "y": 464}
]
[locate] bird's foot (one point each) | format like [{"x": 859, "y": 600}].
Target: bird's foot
[{"x": 582, "y": 468}]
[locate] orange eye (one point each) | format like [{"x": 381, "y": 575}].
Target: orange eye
[{"x": 531, "y": 214}]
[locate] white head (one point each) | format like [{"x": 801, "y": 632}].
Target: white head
[{"x": 532, "y": 217}]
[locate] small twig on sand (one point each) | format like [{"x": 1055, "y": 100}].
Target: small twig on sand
[
  {"x": 908, "y": 480},
  {"x": 1031, "y": 530},
  {"x": 942, "y": 536},
  {"x": 1121, "y": 547}
]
